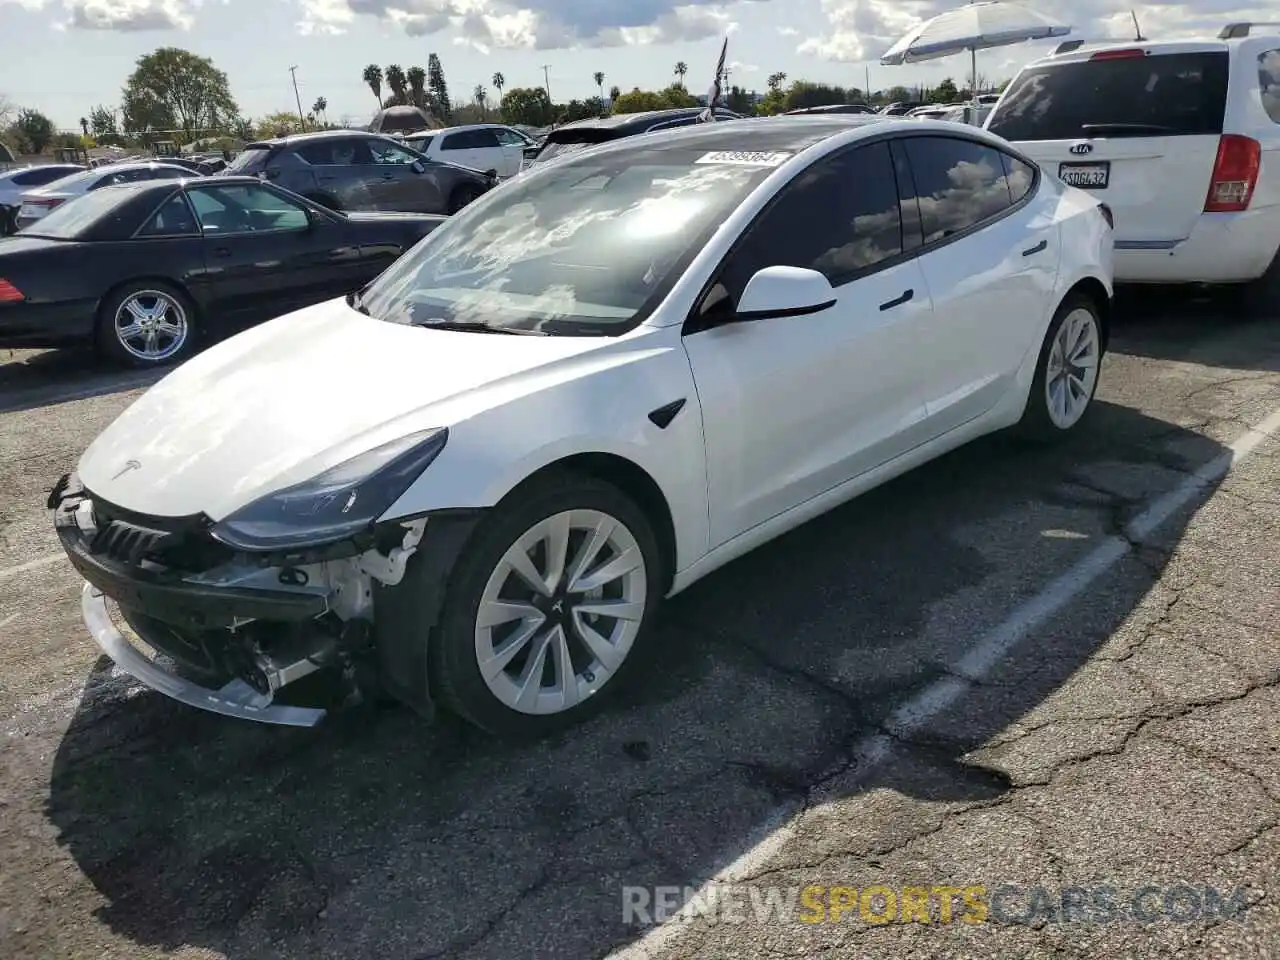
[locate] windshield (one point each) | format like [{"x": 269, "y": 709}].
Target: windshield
[
  {"x": 1177, "y": 94},
  {"x": 586, "y": 247},
  {"x": 67, "y": 221},
  {"x": 248, "y": 160}
]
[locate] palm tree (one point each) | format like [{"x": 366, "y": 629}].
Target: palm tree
[
  {"x": 84, "y": 125},
  {"x": 482, "y": 99},
  {"x": 598, "y": 77},
  {"x": 397, "y": 81},
  {"x": 319, "y": 107},
  {"x": 499, "y": 81},
  {"x": 417, "y": 78},
  {"x": 614, "y": 93},
  {"x": 681, "y": 69},
  {"x": 373, "y": 79},
  {"x": 776, "y": 80}
]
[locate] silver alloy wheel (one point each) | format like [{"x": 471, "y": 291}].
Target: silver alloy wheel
[
  {"x": 560, "y": 611},
  {"x": 151, "y": 325},
  {"x": 1072, "y": 368}
]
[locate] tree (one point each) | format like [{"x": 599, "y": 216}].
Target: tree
[
  {"x": 598, "y": 77},
  {"x": 318, "y": 109},
  {"x": 102, "y": 121},
  {"x": 398, "y": 83},
  {"x": 681, "y": 69},
  {"x": 7, "y": 111},
  {"x": 946, "y": 92},
  {"x": 638, "y": 101},
  {"x": 181, "y": 87},
  {"x": 84, "y": 126},
  {"x": 277, "y": 124},
  {"x": 417, "y": 86},
  {"x": 803, "y": 94},
  {"x": 527, "y": 105},
  {"x": 439, "y": 89},
  {"x": 35, "y": 129},
  {"x": 614, "y": 93},
  {"x": 739, "y": 101},
  {"x": 373, "y": 80},
  {"x": 481, "y": 97}
]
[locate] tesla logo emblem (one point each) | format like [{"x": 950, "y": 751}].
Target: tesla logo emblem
[
  {"x": 558, "y": 607},
  {"x": 1080, "y": 148},
  {"x": 128, "y": 465}
]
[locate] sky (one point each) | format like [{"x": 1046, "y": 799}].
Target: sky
[{"x": 63, "y": 57}]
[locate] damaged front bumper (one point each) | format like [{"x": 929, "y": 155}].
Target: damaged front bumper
[{"x": 238, "y": 628}]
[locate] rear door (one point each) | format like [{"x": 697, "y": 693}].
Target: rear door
[
  {"x": 477, "y": 148},
  {"x": 1138, "y": 127},
  {"x": 513, "y": 147}
]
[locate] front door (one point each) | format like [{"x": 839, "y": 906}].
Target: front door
[
  {"x": 262, "y": 253},
  {"x": 395, "y": 182},
  {"x": 793, "y": 407},
  {"x": 513, "y": 147}
]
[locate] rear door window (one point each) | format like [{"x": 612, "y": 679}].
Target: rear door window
[
  {"x": 250, "y": 160},
  {"x": 1165, "y": 95},
  {"x": 958, "y": 183},
  {"x": 1269, "y": 82}
]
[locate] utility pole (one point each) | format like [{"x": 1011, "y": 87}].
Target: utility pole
[
  {"x": 866, "y": 90},
  {"x": 293, "y": 72},
  {"x": 546, "y": 80}
]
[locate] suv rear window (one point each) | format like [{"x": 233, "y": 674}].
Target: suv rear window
[
  {"x": 1269, "y": 82},
  {"x": 249, "y": 160},
  {"x": 1165, "y": 95}
]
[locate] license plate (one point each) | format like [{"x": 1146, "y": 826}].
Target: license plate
[{"x": 1089, "y": 176}]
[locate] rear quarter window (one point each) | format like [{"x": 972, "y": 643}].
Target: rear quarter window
[
  {"x": 1269, "y": 83},
  {"x": 1181, "y": 94}
]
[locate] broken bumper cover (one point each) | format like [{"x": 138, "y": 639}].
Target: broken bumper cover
[{"x": 236, "y": 699}]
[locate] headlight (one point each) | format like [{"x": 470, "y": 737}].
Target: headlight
[{"x": 343, "y": 501}]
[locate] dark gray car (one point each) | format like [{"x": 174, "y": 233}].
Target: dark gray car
[{"x": 353, "y": 170}]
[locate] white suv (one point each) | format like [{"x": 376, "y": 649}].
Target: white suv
[
  {"x": 482, "y": 146},
  {"x": 1181, "y": 139}
]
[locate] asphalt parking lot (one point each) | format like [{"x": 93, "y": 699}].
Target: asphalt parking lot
[{"x": 1025, "y": 671}]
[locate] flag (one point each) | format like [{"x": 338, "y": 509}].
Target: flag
[{"x": 713, "y": 94}]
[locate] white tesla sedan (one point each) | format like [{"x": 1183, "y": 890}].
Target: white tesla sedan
[{"x": 473, "y": 482}]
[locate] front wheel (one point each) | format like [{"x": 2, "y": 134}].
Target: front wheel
[
  {"x": 1066, "y": 373},
  {"x": 147, "y": 324},
  {"x": 548, "y": 608}
]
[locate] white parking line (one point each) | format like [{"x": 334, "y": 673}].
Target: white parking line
[
  {"x": 916, "y": 712},
  {"x": 32, "y": 565}
]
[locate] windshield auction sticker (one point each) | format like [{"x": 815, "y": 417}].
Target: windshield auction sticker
[{"x": 745, "y": 158}]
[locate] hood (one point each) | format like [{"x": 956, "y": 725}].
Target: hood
[{"x": 284, "y": 401}]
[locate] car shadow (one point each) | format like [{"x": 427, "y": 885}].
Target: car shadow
[
  {"x": 1202, "y": 325},
  {"x": 377, "y": 835},
  {"x": 30, "y": 379}
]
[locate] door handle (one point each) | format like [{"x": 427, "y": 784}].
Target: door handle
[
  {"x": 898, "y": 301},
  {"x": 1036, "y": 249}
]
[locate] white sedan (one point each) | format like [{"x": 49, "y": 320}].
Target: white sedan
[{"x": 473, "y": 482}]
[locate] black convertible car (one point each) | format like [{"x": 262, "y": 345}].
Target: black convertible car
[{"x": 147, "y": 270}]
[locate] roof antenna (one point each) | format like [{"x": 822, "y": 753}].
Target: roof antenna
[{"x": 1137, "y": 30}]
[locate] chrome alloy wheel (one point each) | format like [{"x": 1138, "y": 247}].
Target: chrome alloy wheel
[
  {"x": 1072, "y": 368},
  {"x": 151, "y": 325},
  {"x": 560, "y": 611}
]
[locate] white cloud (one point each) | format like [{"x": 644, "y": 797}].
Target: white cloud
[
  {"x": 542, "y": 24},
  {"x": 788, "y": 31},
  {"x": 864, "y": 29}
]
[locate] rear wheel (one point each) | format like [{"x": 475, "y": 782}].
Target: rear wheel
[
  {"x": 548, "y": 608},
  {"x": 1066, "y": 373},
  {"x": 147, "y": 323},
  {"x": 1261, "y": 298}
]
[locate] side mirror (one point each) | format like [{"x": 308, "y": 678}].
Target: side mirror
[
  {"x": 784, "y": 292},
  {"x": 418, "y": 166}
]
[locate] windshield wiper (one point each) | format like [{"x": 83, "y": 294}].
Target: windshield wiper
[
  {"x": 1125, "y": 128},
  {"x": 475, "y": 326}
]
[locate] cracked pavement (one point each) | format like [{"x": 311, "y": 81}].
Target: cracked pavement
[{"x": 1131, "y": 740}]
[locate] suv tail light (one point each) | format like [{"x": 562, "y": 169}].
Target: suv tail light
[
  {"x": 49, "y": 202},
  {"x": 1127, "y": 54},
  {"x": 9, "y": 293},
  {"x": 1235, "y": 172},
  {"x": 1107, "y": 215}
]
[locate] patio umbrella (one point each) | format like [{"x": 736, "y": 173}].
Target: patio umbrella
[{"x": 973, "y": 27}]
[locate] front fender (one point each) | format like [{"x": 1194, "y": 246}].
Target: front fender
[{"x": 603, "y": 412}]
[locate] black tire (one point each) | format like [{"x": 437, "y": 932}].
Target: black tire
[
  {"x": 462, "y": 196},
  {"x": 1038, "y": 425},
  {"x": 454, "y": 666},
  {"x": 327, "y": 202},
  {"x": 111, "y": 345}
]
